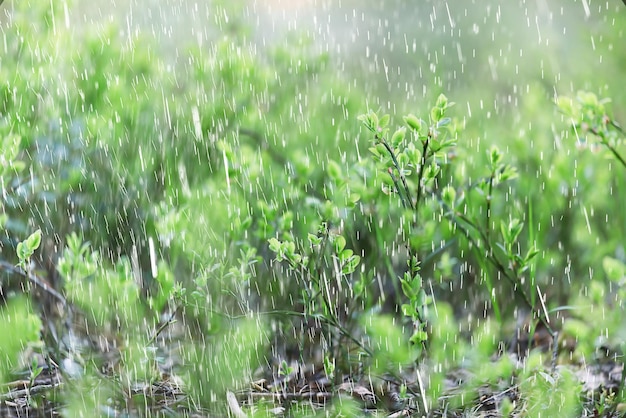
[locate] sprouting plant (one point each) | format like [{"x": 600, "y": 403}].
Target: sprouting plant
[
  {"x": 589, "y": 117},
  {"x": 413, "y": 165},
  {"x": 324, "y": 264},
  {"x": 496, "y": 247},
  {"x": 549, "y": 393},
  {"x": 284, "y": 369},
  {"x": 27, "y": 248},
  {"x": 593, "y": 125},
  {"x": 35, "y": 371}
]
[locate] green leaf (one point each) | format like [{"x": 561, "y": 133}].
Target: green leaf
[
  {"x": 495, "y": 158},
  {"x": 442, "y": 102},
  {"x": 403, "y": 159},
  {"x": 511, "y": 231},
  {"x": 587, "y": 98},
  {"x": 22, "y": 251},
  {"x": 515, "y": 226},
  {"x": 418, "y": 337},
  {"x": 375, "y": 151},
  {"x": 34, "y": 240},
  {"x": 566, "y": 105},
  {"x": 407, "y": 289},
  {"x": 408, "y": 310},
  {"x": 421, "y": 299},
  {"x": 329, "y": 367},
  {"x": 448, "y": 196},
  {"x": 340, "y": 244},
  {"x": 345, "y": 255},
  {"x": 246, "y": 223},
  {"x": 354, "y": 198},
  {"x": 530, "y": 254},
  {"x": 398, "y": 137},
  {"x": 373, "y": 119},
  {"x": 370, "y": 121},
  {"x": 436, "y": 114},
  {"x": 443, "y": 122},
  {"x": 167, "y": 286},
  {"x": 22, "y": 325},
  {"x": 384, "y": 121},
  {"x": 268, "y": 212},
  {"x": 390, "y": 349},
  {"x": 334, "y": 170},
  {"x": 290, "y": 248},
  {"x": 274, "y": 245},
  {"x": 380, "y": 148},
  {"x": 415, "y": 124},
  {"x": 314, "y": 239},
  {"x": 415, "y": 156},
  {"x": 615, "y": 269},
  {"x": 284, "y": 369},
  {"x": 508, "y": 173},
  {"x": 351, "y": 265},
  {"x": 26, "y": 248},
  {"x": 431, "y": 171}
]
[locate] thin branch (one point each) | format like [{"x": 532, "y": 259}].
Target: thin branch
[
  {"x": 488, "y": 211},
  {"x": 611, "y": 148},
  {"x": 397, "y": 186},
  {"x": 420, "y": 175},
  {"x": 397, "y": 165},
  {"x": 496, "y": 263},
  {"x": 34, "y": 279},
  {"x": 170, "y": 320}
]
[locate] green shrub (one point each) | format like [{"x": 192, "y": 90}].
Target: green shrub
[{"x": 215, "y": 190}]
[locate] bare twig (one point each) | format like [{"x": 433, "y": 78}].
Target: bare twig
[
  {"x": 25, "y": 393},
  {"x": 34, "y": 279},
  {"x": 170, "y": 320}
]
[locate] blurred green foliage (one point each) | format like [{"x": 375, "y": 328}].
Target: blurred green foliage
[{"x": 235, "y": 186}]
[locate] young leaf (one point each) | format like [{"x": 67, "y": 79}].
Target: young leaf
[
  {"x": 384, "y": 121},
  {"x": 443, "y": 122},
  {"x": 448, "y": 196},
  {"x": 314, "y": 239},
  {"x": 409, "y": 310},
  {"x": 495, "y": 157},
  {"x": 398, "y": 137},
  {"x": 532, "y": 253},
  {"x": 407, "y": 289},
  {"x": 414, "y": 123},
  {"x": 351, "y": 265},
  {"x": 345, "y": 255},
  {"x": 334, "y": 170},
  {"x": 418, "y": 337},
  {"x": 442, "y": 102},
  {"x": 615, "y": 269},
  {"x": 340, "y": 244},
  {"x": 274, "y": 245},
  {"x": 436, "y": 114},
  {"x": 34, "y": 240},
  {"x": 26, "y": 248}
]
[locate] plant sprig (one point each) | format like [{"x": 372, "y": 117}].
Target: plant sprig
[
  {"x": 589, "y": 115},
  {"x": 401, "y": 158}
]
